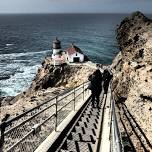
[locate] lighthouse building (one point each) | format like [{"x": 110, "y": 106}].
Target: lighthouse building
[
  {"x": 58, "y": 55},
  {"x": 73, "y": 54}
]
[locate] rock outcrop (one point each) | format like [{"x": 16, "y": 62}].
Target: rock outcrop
[
  {"x": 132, "y": 68},
  {"x": 66, "y": 75},
  {"x": 49, "y": 81}
]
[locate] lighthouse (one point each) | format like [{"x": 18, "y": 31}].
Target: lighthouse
[{"x": 58, "y": 55}]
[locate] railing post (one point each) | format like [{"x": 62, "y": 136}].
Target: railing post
[
  {"x": 3, "y": 126},
  {"x": 74, "y": 100},
  {"x": 56, "y": 113},
  {"x": 83, "y": 91}
]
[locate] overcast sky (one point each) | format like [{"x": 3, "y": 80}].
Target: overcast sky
[{"x": 75, "y": 6}]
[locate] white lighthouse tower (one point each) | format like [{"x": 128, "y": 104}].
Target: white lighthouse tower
[{"x": 58, "y": 55}]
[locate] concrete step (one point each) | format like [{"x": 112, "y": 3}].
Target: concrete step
[
  {"x": 90, "y": 108},
  {"x": 62, "y": 150},
  {"x": 93, "y": 112},
  {"x": 91, "y": 124},
  {"x": 81, "y": 137},
  {"x": 86, "y": 119},
  {"x": 76, "y": 146},
  {"x": 74, "y": 136},
  {"x": 79, "y": 129},
  {"x": 85, "y": 147},
  {"x": 90, "y": 116},
  {"x": 70, "y": 146},
  {"x": 90, "y": 119},
  {"x": 83, "y": 130}
]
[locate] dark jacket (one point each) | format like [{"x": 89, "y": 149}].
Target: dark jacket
[
  {"x": 107, "y": 76},
  {"x": 95, "y": 81}
]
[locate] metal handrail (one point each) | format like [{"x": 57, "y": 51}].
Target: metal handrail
[
  {"x": 71, "y": 91},
  {"x": 13, "y": 146},
  {"x": 24, "y": 113},
  {"x": 65, "y": 105},
  {"x": 29, "y": 133},
  {"x": 116, "y": 141},
  {"x": 9, "y": 132},
  {"x": 28, "y": 119}
]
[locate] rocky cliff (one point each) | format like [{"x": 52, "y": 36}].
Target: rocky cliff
[
  {"x": 66, "y": 75},
  {"x": 48, "y": 82},
  {"x": 132, "y": 68}
]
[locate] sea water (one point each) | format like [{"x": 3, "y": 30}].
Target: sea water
[{"x": 25, "y": 40}]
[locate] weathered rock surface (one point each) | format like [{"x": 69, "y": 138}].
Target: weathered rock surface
[
  {"x": 67, "y": 76},
  {"x": 48, "y": 82},
  {"x": 132, "y": 68}
]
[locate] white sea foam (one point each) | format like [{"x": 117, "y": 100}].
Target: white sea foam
[
  {"x": 18, "y": 82},
  {"x": 9, "y": 44},
  {"x": 21, "y": 67},
  {"x": 24, "y": 54}
]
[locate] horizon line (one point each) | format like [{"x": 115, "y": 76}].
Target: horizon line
[
  {"x": 69, "y": 13},
  {"x": 36, "y": 13}
]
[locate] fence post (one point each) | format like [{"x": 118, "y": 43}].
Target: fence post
[
  {"x": 56, "y": 113},
  {"x": 83, "y": 91},
  {"x": 3, "y": 126},
  {"x": 74, "y": 100}
]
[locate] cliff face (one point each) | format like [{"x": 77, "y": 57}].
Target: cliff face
[
  {"x": 132, "y": 68},
  {"x": 67, "y": 76},
  {"x": 48, "y": 82}
]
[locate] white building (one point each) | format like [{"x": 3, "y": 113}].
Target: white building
[{"x": 74, "y": 54}]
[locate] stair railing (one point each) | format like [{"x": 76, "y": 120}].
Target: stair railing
[
  {"x": 26, "y": 131},
  {"x": 116, "y": 141}
]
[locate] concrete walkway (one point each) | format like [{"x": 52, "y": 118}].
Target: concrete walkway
[{"x": 105, "y": 136}]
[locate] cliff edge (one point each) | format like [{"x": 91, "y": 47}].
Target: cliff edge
[
  {"x": 132, "y": 68},
  {"x": 48, "y": 82}
]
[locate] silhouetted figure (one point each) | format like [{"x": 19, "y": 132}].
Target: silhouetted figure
[
  {"x": 107, "y": 76},
  {"x": 95, "y": 86}
]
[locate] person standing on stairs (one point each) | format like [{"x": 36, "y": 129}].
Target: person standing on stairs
[
  {"x": 95, "y": 86},
  {"x": 107, "y": 76}
]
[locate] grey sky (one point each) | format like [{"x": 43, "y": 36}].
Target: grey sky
[{"x": 75, "y": 6}]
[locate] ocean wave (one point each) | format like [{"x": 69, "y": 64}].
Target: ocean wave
[
  {"x": 17, "y": 71},
  {"x": 9, "y": 44},
  {"x": 19, "y": 81},
  {"x": 23, "y": 54}
]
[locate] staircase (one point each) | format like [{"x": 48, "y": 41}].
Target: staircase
[
  {"x": 83, "y": 135},
  {"x": 90, "y": 130}
]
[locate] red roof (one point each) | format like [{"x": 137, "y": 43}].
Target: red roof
[{"x": 73, "y": 49}]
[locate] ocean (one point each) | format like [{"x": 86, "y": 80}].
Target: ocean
[{"x": 25, "y": 40}]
